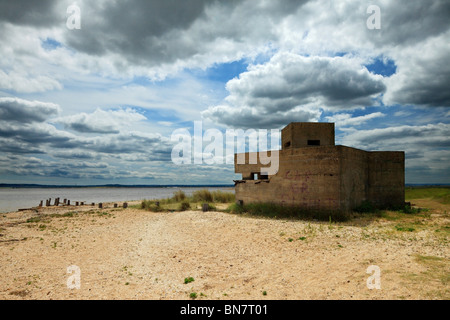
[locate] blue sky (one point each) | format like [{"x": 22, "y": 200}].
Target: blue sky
[{"x": 98, "y": 105}]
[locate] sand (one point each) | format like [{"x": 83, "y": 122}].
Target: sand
[{"x": 135, "y": 254}]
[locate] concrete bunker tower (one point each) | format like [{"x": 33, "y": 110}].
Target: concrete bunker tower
[{"x": 315, "y": 174}]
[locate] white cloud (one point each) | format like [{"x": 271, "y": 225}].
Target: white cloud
[
  {"x": 100, "y": 121},
  {"x": 291, "y": 86},
  {"x": 346, "y": 119}
]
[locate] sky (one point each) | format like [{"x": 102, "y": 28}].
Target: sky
[{"x": 91, "y": 92}]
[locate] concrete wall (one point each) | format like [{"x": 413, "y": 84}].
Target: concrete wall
[
  {"x": 386, "y": 178},
  {"x": 306, "y": 177},
  {"x": 297, "y": 134},
  {"x": 328, "y": 178},
  {"x": 325, "y": 177},
  {"x": 354, "y": 171}
]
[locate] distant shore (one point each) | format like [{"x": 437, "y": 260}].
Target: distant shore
[{"x": 7, "y": 185}]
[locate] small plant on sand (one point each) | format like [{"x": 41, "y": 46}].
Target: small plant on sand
[
  {"x": 193, "y": 295},
  {"x": 402, "y": 228},
  {"x": 188, "y": 280}
]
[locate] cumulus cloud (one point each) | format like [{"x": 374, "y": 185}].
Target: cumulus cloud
[
  {"x": 346, "y": 119},
  {"x": 431, "y": 134},
  {"x": 40, "y": 13},
  {"x": 422, "y": 79},
  {"x": 291, "y": 86},
  {"x": 426, "y": 148},
  {"x": 24, "y": 111},
  {"x": 101, "y": 121}
]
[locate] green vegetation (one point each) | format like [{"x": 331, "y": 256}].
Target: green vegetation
[
  {"x": 181, "y": 202},
  {"x": 439, "y": 194},
  {"x": 193, "y": 295},
  {"x": 272, "y": 210},
  {"x": 366, "y": 207},
  {"x": 184, "y": 205},
  {"x": 188, "y": 280},
  {"x": 436, "y": 272},
  {"x": 179, "y": 196},
  {"x": 403, "y": 228}
]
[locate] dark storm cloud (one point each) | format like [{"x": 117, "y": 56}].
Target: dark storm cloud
[
  {"x": 31, "y": 12},
  {"x": 148, "y": 33},
  {"x": 134, "y": 29},
  {"x": 405, "y": 23},
  {"x": 37, "y": 134},
  {"x": 79, "y": 155},
  {"x": 23, "y": 111},
  {"x": 87, "y": 128}
]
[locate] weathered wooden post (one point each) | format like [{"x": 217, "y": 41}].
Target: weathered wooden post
[
  {"x": 65, "y": 201},
  {"x": 93, "y": 204},
  {"x": 41, "y": 203},
  {"x": 56, "y": 202},
  {"x": 68, "y": 202},
  {"x": 205, "y": 207},
  {"x": 77, "y": 203},
  {"x": 125, "y": 205},
  {"x": 115, "y": 205},
  {"x": 100, "y": 205}
]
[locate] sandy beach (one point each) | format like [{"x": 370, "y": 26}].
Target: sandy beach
[{"x": 135, "y": 254}]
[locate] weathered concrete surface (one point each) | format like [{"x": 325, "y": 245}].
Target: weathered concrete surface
[{"x": 325, "y": 177}]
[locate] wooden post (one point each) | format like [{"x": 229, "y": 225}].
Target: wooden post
[
  {"x": 93, "y": 204},
  {"x": 41, "y": 203},
  {"x": 68, "y": 202},
  {"x": 125, "y": 205},
  {"x": 115, "y": 205},
  {"x": 77, "y": 203},
  {"x": 100, "y": 205},
  {"x": 65, "y": 201},
  {"x": 205, "y": 207},
  {"x": 56, "y": 202}
]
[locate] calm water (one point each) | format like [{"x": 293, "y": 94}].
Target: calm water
[{"x": 19, "y": 198}]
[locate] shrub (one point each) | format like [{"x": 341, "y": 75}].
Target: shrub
[
  {"x": 365, "y": 207},
  {"x": 184, "y": 205},
  {"x": 203, "y": 195},
  {"x": 272, "y": 210},
  {"x": 150, "y": 205},
  {"x": 179, "y": 196},
  {"x": 410, "y": 210},
  {"x": 223, "y": 197}
]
